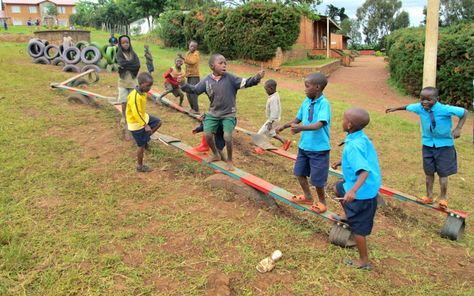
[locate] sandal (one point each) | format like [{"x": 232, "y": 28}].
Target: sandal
[
  {"x": 265, "y": 265},
  {"x": 301, "y": 199},
  {"x": 319, "y": 208},
  {"x": 443, "y": 204},
  {"x": 351, "y": 263},
  {"x": 425, "y": 200}
]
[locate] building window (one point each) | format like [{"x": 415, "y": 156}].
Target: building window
[
  {"x": 74, "y": 10},
  {"x": 61, "y": 10},
  {"x": 17, "y": 23},
  {"x": 16, "y": 9},
  {"x": 62, "y": 22},
  {"x": 32, "y": 9}
]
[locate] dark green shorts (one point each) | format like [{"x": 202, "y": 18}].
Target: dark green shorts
[{"x": 211, "y": 124}]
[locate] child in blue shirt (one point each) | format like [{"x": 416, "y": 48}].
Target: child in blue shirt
[
  {"x": 439, "y": 154},
  {"x": 313, "y": 149},
  {"x": 362, "y": 181}
]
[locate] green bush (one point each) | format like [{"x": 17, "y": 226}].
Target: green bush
[
  {"x": 455, "y": 70},
  {"x": 171, "y": 29},
  {"x": 251, "y": 31},
  {"x": 194, "y": 28}
]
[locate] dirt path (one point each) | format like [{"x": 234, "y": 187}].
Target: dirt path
[{"x": 362, "y": 84}]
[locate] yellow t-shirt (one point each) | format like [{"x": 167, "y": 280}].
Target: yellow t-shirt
[
  {"x": 192, "y": 64},
  {"x": 136, "y": 116}
]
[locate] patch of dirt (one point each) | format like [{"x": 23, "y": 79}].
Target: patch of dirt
[
  {"x": 162, "y": 284},
  {"x": 48, "y": 203},
  {"x": 218, "y": 284}
]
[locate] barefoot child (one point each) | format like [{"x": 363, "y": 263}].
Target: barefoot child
[
  {"x": 141, "y": 125},
  {"x": 362, "y": 181},
  {"x": 129, "y": 65},
  {"x": 313, "y": 149},
  {"x": 438, "y": 151},
  {"x": 273, "y": 112},
  {"x": 149, "y": 60},
  {"x": 221, "y": 88},
  {"x": 171, "y": 80}
]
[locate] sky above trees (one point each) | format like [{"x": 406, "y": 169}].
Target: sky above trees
[{"x": 413, "y": 7}]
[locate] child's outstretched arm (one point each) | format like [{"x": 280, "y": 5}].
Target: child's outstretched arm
[
  {"x": 287, "y": 125},
  {"x": 192, "y": 89},
  {"x": 389, "y": 110},
  {"x": 457, "y": 129},
  {"x": 310, "y": 127},
  {"x": 350, "y": 195},
  {"x": 247, "y": 82}
]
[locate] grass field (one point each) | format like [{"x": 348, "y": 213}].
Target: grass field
[
  {"x": 309, "y": 62},
  {"x": 75, "y": 217}
]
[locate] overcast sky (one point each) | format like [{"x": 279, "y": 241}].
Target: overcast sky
[{"x": 413, "y": 7}]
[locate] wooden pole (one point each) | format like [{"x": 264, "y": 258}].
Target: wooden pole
[
  {"x": 431, "y": 44},
  {"x": 328, "y": 38}
]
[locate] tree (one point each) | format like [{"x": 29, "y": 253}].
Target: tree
[
  {"x": 402, "y": 20},
  {"x": 52, "y": 10},
  {"x": 350, "y": 28},
  {"x": 377, "y": 18},
  {"x": 453, "y": 11},
  {"x": 285, "y": 2},
  {"x": 337, "y": 14}
]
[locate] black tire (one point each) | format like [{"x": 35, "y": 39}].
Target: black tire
[
  {"x": 41, "y": 60},
  {"x": 45, "y": 42},
  {"x": 72, "y": 55},
  {"x": 48, "y": 49},
  {"x": 71, "y": 68},
  {"x": 61, "y": 50},
  {"x": 79, "y": 82},
  {"x": 82, "y": 44},
  {"x": 57, "y": 61},
  {"x": 35, "y": 49},
  {"x": 88, "y": 67},
  {"x": 90, "y": 55}
]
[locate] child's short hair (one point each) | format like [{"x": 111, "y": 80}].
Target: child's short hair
[
  {"x": 178, "y": 57},
  {"x": 271, "y": 83},
  {"x": 432, "y": 89},
  {"x": 144, "y": 77},
  {"x": 213, "y": 58},
  {"x": 359, "y": 117},
  {"x": 318, "y": 78}
]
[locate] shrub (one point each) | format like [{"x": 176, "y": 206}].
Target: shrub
[
  {"x": 194, "y": 28},
  {"x": 171, "y": 28},
  {"x": 218, "y": 32},
  {"x": 455, "y": 72}
]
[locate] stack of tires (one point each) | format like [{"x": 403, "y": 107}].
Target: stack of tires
[
  {"x": 109, "y": 62},
  {"x": 69, "y": 58}
]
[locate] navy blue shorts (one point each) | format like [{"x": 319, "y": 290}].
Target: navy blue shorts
[
  {"x": 150, "y": 68},
  {"x": 442, "y": 160},
  {"x": 141, "y": 136},
  {"x": 314, "y": 164},
  {"x": 360, "y": 212}
]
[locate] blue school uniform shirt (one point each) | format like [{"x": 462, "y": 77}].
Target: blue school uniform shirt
[
  {"x": 359, "y": 155},
  {"x": 317, "y": 140},
  {"x": 441, "y": 134}
]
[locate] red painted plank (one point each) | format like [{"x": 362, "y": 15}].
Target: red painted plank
[
  {"x": 194, "y": 155},
  {"x": 257, "y": 183}
]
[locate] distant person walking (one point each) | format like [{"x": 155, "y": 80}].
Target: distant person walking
[
  {"x": 37, "y": 23},
  {"x": 5, "y": 25}
]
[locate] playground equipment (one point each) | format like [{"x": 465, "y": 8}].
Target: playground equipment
[
  {"x": 453, "y": 227},
  {"x": 340, "y": 233}
]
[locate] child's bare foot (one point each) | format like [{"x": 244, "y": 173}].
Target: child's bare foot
[
  {"x": 212, "y": 158},
  {"x": 230, "y": 165}
]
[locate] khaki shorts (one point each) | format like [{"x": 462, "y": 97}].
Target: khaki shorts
[
  {"x": 269, "y": 133},
  {"x": 123, "y": 94}
]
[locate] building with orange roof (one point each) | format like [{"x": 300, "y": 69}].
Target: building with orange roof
[{"x": 18, "y": 12}]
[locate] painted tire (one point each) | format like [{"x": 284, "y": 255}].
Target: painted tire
[
  {"x": 115, "y": 67},
  {"x": 72, "y": 55},
  {"x": 109, "y": 68},
  {"x": 71, "y": 68},
  {"x": 88, "y": 67},
  {"x": 81, "y": 44},
  {"x": 103, "y": 50},
  {"x": 45, "y": 42},
  {"x": 61, "y": 50},
  {"x": 41, "y": 60},
  {"x": 35, "y": 49},
  {"x": 96, "y": 45},
  {"x": 110, "y": 54},
  {"x": 90, "y": 55},
  {"x": 57, "y": 61},
  {"x": 47, "y": 52}
]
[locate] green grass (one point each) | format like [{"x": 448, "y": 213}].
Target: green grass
[
  {"x": 75, "y": 218},
  {"x": 309, "y": 62}
]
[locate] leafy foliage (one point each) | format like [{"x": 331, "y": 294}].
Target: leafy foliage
[
  {"x": 350, "y": 28},
  {"x": 251, "y": 31},
  {"x": 405, "y": 49},
  {"x": 171, "y": 28}
]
